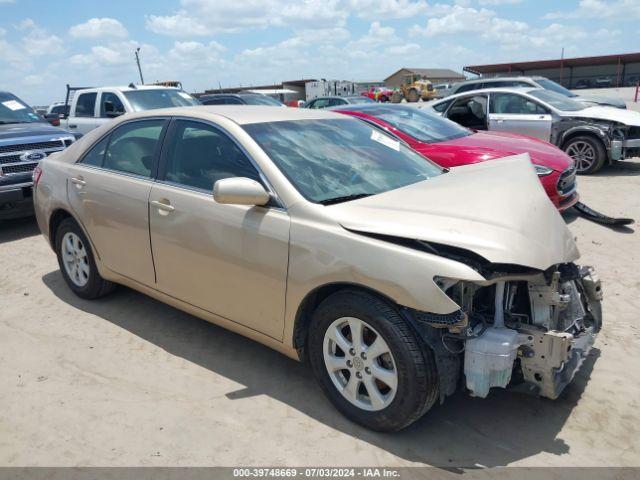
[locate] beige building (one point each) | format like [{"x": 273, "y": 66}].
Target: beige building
[{"x": 435, "y": 75}]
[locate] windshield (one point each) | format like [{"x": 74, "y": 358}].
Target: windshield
[
  {"x": 260, "y": 99},
  {"x": 14, "y": 110},
  {"x": 329, "y": 161},
  {"x": 555, "y": 87},
  {"x": 159, "y": 98},
  {"x": 419, "y": 124},
  {"x": 558, "y": 101}
]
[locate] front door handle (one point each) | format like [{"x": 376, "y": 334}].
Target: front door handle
[
  {"x": 78, "y": 181},
  {"x": 163, "y": 205},
  {"x": 73, "y": 126}
]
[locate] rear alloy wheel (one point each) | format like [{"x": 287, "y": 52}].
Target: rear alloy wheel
[
  {"x": 76, "y": 261},
  {"x": 369, "y": 362},
  {"x": 588, "y": 154}
]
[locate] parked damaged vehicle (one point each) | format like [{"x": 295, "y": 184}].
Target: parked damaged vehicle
[
  {"x": 451, "y": 145},
  {"x": 592, "y": 136},
  {"x": 329, "y": 241}
]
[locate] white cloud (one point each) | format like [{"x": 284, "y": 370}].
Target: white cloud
[
  {"x": 376, "y": 9},
  {"x": 209, "y": 17},
  {"x": 508, "y": 34},
  {"x": 607, "y": 10},
  {"x": 498, "y": 2},
  {"x": 99, "y": 27}
]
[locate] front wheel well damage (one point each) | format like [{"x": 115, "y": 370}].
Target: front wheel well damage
[
  {"x": 582, "y": 133},
  {"x": 314, "y": 299}
]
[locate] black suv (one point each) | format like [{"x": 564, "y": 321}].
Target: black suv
[
  {"x": 25, "y": 139},
  {"x": 239, "y": 99}
]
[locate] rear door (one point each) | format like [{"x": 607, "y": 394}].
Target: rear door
[
  {"x": 230, "y": 260},
  {"x": 109, "y": 188},
  {"x": 512, "y": 112}
]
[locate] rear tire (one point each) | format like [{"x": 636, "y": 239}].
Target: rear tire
[
  {"x": 587, "y": 152},
  {"x": 77, "y": 263},
  {"x": 391, "y": 389}
]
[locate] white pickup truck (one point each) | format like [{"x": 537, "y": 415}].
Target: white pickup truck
[{"x": 92, "y": 107}]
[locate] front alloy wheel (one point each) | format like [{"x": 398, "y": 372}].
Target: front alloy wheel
[
  {"x": 587, "y": 153},
  {"x": 360, "y": 364},
  {"x": 369, "y": 361}
]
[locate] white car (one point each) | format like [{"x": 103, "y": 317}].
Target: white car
[
  {"x": 92, "y": 107},
  {"x": 592, "y": 136}
]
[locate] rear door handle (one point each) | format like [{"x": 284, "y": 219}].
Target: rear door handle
[
  {"x": 79, "y": 181},
  {"x": 73, "y": 126},
  {"x": 164, "y": 206}
]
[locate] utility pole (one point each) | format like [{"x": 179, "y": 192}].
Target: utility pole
[{"x": 139, "y": 67}]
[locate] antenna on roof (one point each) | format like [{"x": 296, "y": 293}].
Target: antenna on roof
[{"x": 131, "y": 85}]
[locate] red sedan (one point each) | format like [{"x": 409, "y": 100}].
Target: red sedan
[
  {"x": 379, "y": 94},
  {"x": 450, "y": 145}
]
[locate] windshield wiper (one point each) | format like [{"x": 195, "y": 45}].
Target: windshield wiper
[{"x": 345, "y": 198}]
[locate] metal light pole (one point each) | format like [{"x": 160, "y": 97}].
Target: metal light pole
[{"x": 139, "y": 67}]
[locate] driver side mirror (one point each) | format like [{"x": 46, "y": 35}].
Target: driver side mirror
[
  {"x": 240, "y": 191},
  {"x": 110, "y": 110},
  {"x": 53, "y": 119}
]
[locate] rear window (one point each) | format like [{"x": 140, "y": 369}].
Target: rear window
[{"x": 85, "y": 105}]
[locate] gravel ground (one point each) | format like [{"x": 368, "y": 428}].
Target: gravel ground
[{"x": 128, "y": 381}]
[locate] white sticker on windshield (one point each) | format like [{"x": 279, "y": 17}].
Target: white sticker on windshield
[
  {"x": 13, "y": 105},
  {"x": 184, "y": 95},
  {"x": 384, "y": 140}
]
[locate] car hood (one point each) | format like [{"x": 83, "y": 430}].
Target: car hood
[
  {"x": 497, "y": 210},
  {"x": 602, "y": 100},
  {"x": 17, "y": 130},
  {"x": 628, "y": 117},
  {"x": 483, "y": 146}
]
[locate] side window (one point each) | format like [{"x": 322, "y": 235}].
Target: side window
[
  {"x": 441, "y": 107},
  {"x": 95, "y": 156},
  {"x": 110, "y": 105},
  {"x": 510, "y": 103},
  {"x": 85, "y": 106},
  {"x": 200, "y": 155},
  {"x": 334, "y": 102},
  {"x": 311, "y": 104},
  {"x": 133, "y": 147},
  {"x": 321, "y": 103},
  {"x": 470, "y": 112}
]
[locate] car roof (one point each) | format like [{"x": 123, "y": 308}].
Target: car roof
[
  {"x": 366, "y": 107},
  {"x": 239, "y": 94},
  {"x": 127, "y": 88},
  {"x": 242, "y": 114},
  {"x": 489, "y": 90}
]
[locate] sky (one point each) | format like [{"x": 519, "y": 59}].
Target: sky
[{"x": 45, "y": 44}]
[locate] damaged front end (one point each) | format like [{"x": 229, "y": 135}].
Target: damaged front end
[{"x": 530, "y": 327}]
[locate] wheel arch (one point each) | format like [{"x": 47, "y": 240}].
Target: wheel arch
[
  {"x": 317, "y": 296},
  {"x": 56, "y": 218},
  {"x": 585, "y": 131}
]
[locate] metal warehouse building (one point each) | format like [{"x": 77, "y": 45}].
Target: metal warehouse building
[
  {"x": 435, "y": 75},
  {"x": 621, "y": 70}
]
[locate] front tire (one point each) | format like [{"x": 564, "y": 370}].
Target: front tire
[
  {"x": 77, "y": 263},
  {"x": 369, "y": 362},
  {"x": 587, "y": 152}
]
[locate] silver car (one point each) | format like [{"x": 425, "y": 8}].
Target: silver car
[
  {"x": 336, "y": 101},
  {"x": 592, "y": 136},
  {"x": 534, "y": 82}
]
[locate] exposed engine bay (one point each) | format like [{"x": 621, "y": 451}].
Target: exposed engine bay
[{"x": 534, "y": 329}]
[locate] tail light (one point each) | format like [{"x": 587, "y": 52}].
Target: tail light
[{"x": 37, "y": 173}]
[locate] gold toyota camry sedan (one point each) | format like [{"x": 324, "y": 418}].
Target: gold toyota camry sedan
[{"x": 330, "y": 241}]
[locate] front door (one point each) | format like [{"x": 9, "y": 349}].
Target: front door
[
  {"x": 510, "y": 112},
  {"x": 230, "y": 260},
  {"x": 109, "y": 190}
]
